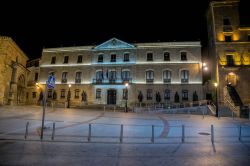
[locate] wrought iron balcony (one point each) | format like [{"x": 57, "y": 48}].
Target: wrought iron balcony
[
  {"x": 64, "y": 80},
  {"x": 112, "y": 81},
  {"x": 77, "y": 80},
  {"x": 184, "y": 80},
  {"x": 167, "y": 80}
]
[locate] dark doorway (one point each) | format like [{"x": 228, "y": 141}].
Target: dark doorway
[{"x": 111, "y": 98}]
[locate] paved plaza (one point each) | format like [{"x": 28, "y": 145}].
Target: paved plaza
[{"x": 118, "y": 138}]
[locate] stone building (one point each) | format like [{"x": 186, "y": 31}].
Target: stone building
[
  {"x": 13, "y": 72},
  {"x": 97, "y": 74},
  {"x": 229, "y": 51}
]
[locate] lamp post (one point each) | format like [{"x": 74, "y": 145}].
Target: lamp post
[
  {"x": 126, "y": 95},
  {"x": 216, "y": 99},
  {"x": 68, "y": 96}
]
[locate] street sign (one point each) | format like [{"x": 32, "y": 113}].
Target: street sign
[{"x": 51, "y": 81}]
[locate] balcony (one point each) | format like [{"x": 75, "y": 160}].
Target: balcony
[
  {"x": 184, "y": 80},
  {"x": 227, "y": 28},
  {"x": 77, "y": 80},
  {"x": 149, "y": 80},
  {"x": 112, "y": 81},
  {"x": 167, "y": 80},
  {"x": 64, "y": 80}
]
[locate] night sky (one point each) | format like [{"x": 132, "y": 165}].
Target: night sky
[{"x": 45, "y": 24}]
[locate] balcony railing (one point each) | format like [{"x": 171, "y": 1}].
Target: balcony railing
[
  {"x": 64, "y": 80},
  {"x": 184, "y": 80},
  {"x": 149, "y": 80},
  {"x": 77, "y": 81},
  {"x": 227, "y": 28},
  {"x": 112, "y": 81},
  {"x": 167, "y": 80}
]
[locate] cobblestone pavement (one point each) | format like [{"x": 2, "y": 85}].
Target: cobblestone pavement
[{"x": 71, "y": 144}]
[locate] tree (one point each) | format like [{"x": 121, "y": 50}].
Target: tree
[{"x": 140, "y": 97}]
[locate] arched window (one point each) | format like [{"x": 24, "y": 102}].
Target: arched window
[
  {"x": 99, "y": 76},
  {"x": 64, "y": 77},
  {"x": 184, "y": 76},
  {"x": 125, "y": 75},
  {"x": 166, "y": 76},
  {"x": 78, "y": 77},
  {"x": 149, "y": 76}
]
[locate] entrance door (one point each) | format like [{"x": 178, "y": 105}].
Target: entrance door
[{"x": 111, "y": 96}]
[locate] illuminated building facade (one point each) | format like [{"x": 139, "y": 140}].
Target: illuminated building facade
[
  {"x": 229, "y": 47},
  {"x": 97, "y": 74},
  {"x": 13, "y": 73}
]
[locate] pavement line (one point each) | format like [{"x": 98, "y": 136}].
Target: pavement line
[{"x": 165, "y": 130}]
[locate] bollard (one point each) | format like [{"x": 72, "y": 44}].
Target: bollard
[
  {"x": 239, "y": 132},
  {"x": 121, "y": 133},
  {"x": 26, "y": 131},
  {"x": 53, "y": 131},
  {"x": 212, "y": 134},
  {"x": 89, "y": 136},
  {"x": 153, "y": 139},
  {"x": 104, "y": 109},
  {"x": 183, "y": 134}
]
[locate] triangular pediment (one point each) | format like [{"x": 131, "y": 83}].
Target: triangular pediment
[{"x": 114, "y": 44}]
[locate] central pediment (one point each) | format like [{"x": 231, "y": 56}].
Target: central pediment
[{"x": 114, "y": 44}]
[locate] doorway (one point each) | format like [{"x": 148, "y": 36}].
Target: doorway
[{"x": 111, "y": 97}]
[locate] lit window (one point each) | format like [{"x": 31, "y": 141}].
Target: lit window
[
  {"x": 79, "y": 59},
  {"x": 150, "y": 56},
  {"x": 126, "y": 57},
  {"x": 167, "y": 94},
  {"x": 183, "y": 56},
  {"x": 185, "y": 95},
  {"x": 77, "y": 91},
  {"x": 166, "y": 56},
  {"x": 184, "y": 76},
  {"x": 53, "y": 60},
  {"x": 149, "y": 94},
  {"x": 66, "y": 59},
  {"x": 98, "y": 93}
]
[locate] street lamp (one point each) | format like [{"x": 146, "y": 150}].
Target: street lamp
[
  {"x": 126, "y": 96},
  {"x": 216, "y": 99},
  {"x": 68, "y": 96}
]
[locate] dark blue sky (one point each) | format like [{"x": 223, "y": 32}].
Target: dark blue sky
[{"x": 50, "y": 24}]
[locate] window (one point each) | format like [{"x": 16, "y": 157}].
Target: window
[
  {"x": 149, "y": 56},
  {"x": 184, "y": 76},
  {"x": 99, "y": 75},
  {"x": 185, "y": 95},
  {"x": 79, "y": 59},
  {"x": 98, "y": 93},
  {"x": 34, "y": 94},
  {"x": 77, "y": 91},
  {"x": 125, "y": 75},
  {"x": 66, "y": 59},
  {"x": 125, "y": 94},
  {"x": 228, "y": 38},
  {"x": 230, "y": 60},
  {"x": 226, "y": 21},
  {"x": 113, "y": 58},
  {"x": 64, "y": 77},
  {"x": 100, "y": 58},
  {"x": 49, "y": 93},
  {"x": 78, "y": 77},
  {"x": 150, "y": 76},
  {"x": 53, "y": 60},
  {"x": 149, "y": 94},
  {"x": 183, "y": 56},
  {"x": 62, "y": 93},
  {"x": 166, "y": 76},
  {"x": 36, "y": 77},
  {"x": 167, "y": 94},
  {"x": 126, "y": 57},
  {"x": 166, "y": 56},
  {"x": 112, "y": 76}
]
